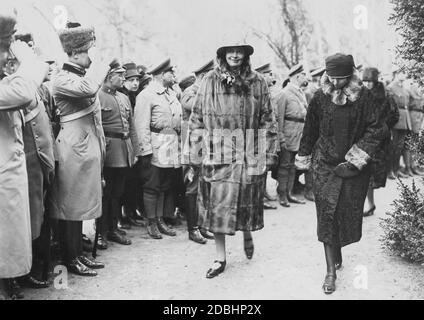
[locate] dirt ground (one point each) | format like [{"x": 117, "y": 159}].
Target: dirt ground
[{"x": 288, "y": 264}]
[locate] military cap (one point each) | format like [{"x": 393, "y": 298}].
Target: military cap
[
  {"x": 264, "y": 69},
  {"x": 205, "y": 68},
  {"x": 318, "y": 72},
  {"x": 186, "y": 82},
  {"x": 296, "y": 69},
  {"x": 339, "y": 65},
  {"x": 115, "y": 67},
  {"x": 359, "y": 67},
  {"x": 75, "y": 38},
  {"x": 163, "y": 67}
]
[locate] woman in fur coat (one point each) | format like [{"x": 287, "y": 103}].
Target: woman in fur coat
[
  {"x": 232, "y": 106},
  {"x": 380, "y": 165},
  {"x": 341, "y": 135}
]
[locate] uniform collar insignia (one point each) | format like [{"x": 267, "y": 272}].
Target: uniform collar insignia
[{"x": 70, "y": 67}]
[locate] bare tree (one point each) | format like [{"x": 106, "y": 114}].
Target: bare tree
[
  {"x": 122, "y": 16},
  {"x": 293, "y": 33}
]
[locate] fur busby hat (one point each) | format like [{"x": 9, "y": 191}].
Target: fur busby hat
[
  {"x": 7, "y": 28},
  {"x": 75, "y": 38}
]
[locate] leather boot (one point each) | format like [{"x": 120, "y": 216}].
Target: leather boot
[
  {"x": 152, "y": 229},
  {"x": 191, "y": 211},
  {"x": 164, "y": 229},
  {"x": 206, "y": 234},
  {"x": 194, "y": 235}
]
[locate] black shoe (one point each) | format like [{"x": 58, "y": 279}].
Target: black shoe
[
  {"x": 268, "y": 205},
  {"x": 29, "y": 281},
  {"x": 329, "y": 285},
  {"x": 295, "y": 200},
  {"x": 102, "y": 243},
  {"x": 369, "y": 212},
  {"x": 269, "y": 197},
  {"x": 391, "y": 176},
  {"x": 125, "y": 224},
  {"x": 249, "y": 248},
  {"x": 86, "y": 239},
  {"x": 92, "y": 264},
  {"x": 212, "y": 273},
  {"x": 116, "y": 237},
  {"x": 14, "y": 289},
  {"x": 284, "y": 202},
  {"x": 121, "y": 232},
  {"x": 309, "y": 195},
  {"x": 164, "y": 229},
  {"x": 195, "y": 236},
  {"x": 152, "y": 229},
  {"x": 78, "y": 268},
  {"x": 206, "y": 234}
]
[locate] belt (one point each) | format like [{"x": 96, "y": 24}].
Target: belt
[
  {"x": 117, "y": 135},
  {"x": 155, "y": 130},
  {"x": 417, "y": 110},
  {"x": 301, "y": 120},
  {"x": 32, "y": 114},
  {"x": 78, "y": 114}
]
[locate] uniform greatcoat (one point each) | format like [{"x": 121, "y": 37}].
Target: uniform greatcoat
[
  {"x": 38, "y": 146},
  {"x": 231, "y": 193},
  {"x": 117, "y": 119},
  {"x": 77, "y": 190},
  {"x": 341, "y": 127},
  {"x": 16, "y": 91}
]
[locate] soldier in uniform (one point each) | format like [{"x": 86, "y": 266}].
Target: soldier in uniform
[
  {"x": 121, "y": 150},
  {"x": 131, "y": 199},
  {"x": 292, "y": 106},
  {"x": 38, "y": 146},
  {"x": 157, "y": 118},
  {"x": 191, "y": 177},
  {"x": 16, "y": 92},
  {"x": 266, "y": 71},
  {"x": 77, "y": 191},
  {"x": 401, "y": 96}
]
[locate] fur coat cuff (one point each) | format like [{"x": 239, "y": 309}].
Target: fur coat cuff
[
  {"x": 358, "y": 157},
  {"x": 303, "y": 162}
]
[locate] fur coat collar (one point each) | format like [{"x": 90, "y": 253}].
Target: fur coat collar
[{"x": 351, "y": 91}]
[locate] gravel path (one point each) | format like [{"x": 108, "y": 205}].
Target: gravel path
[{"x": 288, "y": 264}]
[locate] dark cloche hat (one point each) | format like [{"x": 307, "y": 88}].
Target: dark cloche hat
[
  {"x": 266, "y": 68},
  {"x": 370, "y": 74},
  {"x": 161, "y": 68},
  {"x": 205, "y": 68},
  {"x": 339, "y": 65}
]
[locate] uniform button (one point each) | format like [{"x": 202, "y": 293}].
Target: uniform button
[
  {"x": 36, "y": 136},
  {"x": 39, "y": 149},
  {"x": 33, "y": 123}
]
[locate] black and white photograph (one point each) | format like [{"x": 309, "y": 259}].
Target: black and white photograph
[{"x": 211, "y": 150}]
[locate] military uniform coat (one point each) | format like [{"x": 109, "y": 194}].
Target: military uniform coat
[
  {"x": 38, "y": 146},
  {"x": 157, "y": 118},
  {"x": 231, "y": 193},
  {"x": 16, "y": 91},
  {"x": 337, "y": 130},
  {"x": 416, "y": 106},
  {"x": 291, "y": 107},
  {"x": 401, "y": 97},
  {"x": 117, "y": 118},
  {"x": 77, "y": 191}
]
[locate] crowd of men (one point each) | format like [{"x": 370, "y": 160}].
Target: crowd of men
[{"x": 78, "y": 141}]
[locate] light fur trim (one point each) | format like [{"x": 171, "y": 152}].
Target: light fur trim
[
  {"x": 358, "y": 157},
  {"x": 350, "y": 92},
  {"x": 303, "y": 162}
]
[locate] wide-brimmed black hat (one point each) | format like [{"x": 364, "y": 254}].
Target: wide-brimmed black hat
[{"x": 248, "y": 49}]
